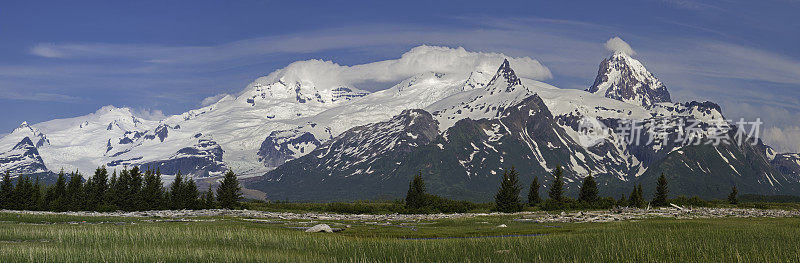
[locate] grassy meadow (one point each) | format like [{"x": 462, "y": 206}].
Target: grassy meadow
[{"x": 57, "y": 238}]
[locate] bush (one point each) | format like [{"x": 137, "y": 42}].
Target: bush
[
  {"x": 693, "y": 201},
  {"x": 437, "y": 204},
  {"x": 572, "y": 204},
  {"x": 566, "y": 203}
]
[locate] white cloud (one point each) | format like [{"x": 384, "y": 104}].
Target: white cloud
[
  {"x": 418, "y": 60},
  {"x": 148, "y": 114},
  {"x": 38, "y": 96},
  {"x": 690, "y": 5},
  {"x": 786, "y": 139},
  {"x": 779, "y": 128},
  {"x": 616, "y": 44},
  {"x": 47, "y": 50},
  {"x": 213, "y": 99}
]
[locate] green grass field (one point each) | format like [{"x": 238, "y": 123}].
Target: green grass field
[{"x": 59, "y": 239}]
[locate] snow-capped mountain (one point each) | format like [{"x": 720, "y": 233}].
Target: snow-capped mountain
[
  {"x": 276, "y": 118},
  {"x": 23, "y": 159},
  {"x": 624, "y": 78},
  {"x": 532, "y": 126},
  {"x": 308, "y": 131}
]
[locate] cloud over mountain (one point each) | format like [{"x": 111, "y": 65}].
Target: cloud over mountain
[
  {"x": 418, "y": 60},
  {"x": 616, "y": 44}
]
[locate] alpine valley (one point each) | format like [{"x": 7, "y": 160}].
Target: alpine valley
[{"x": 307, "y": 132}]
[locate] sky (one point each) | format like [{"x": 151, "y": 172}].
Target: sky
[{"x": 64, "y": 59}]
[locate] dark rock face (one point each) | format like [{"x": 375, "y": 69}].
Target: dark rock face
[
  {"x": 507, "y": 75},
  {"x": 160, "y": 132},
  {"x": 622, "y": 78},
  {"x": 352, "y": 165},
  {"x": 23, "y": 159},
  {"x": 710, "y": 171},
  {"x": 282, "y": 146},
  {"x": 787, "y": 163},
  {"x": 377, "y": 160},
  {"x": 204, "y": 159}
]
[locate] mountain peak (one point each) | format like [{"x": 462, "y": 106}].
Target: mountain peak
[
  {"x": 25, "y": 143},
  {"x": 505, "y": 77},
  {"x": 624, "y": 78}
]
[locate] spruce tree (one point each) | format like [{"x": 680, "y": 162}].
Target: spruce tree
[
  {"x": 229, "y": 193},
  {"x": 622, "y": 201},
  {"x": 556, "y": 191},
  {"x": 134, "y": 186},
  {"x": 111, "y": 193},
  {"x": 97, "y": 193},
  {"x": 636, "y": 199},
  {"x": 732, "y": 199},
  {"x": 6, "y": 192},
  {"x": 660, "y": 196},
  {"x": 588, "y": 193},
  {"x": 58, "y": 197},
  {"x": 122, "y": 197},
  {"x": 152, "y": 191},
  {"x": 176, "y": 193},
  {"x": 37, "y": 195},
  {"x": 208, "y": 199},
  {"x": 416, "y": 197},
  {"x": 533, "y": 193},
  {"x": 74, "y": 193},
  {"x": 47, "y": 201},
  {"x": 26, "y": 194},
  {"x": 191, "y": 194},
  {"x": 16, "y": 194},
  {"x": 507, "y": 198}
]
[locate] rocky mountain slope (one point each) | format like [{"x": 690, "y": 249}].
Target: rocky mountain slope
[
  {"x": 534, "y": 127},
  {"x": 309, "y": 132}
]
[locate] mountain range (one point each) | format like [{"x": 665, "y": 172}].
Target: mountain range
[{"x": 307, "y": 132}]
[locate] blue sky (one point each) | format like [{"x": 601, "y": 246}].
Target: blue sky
[{"x": 68, "y": 58}]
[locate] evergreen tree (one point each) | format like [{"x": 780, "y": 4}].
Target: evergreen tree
[
  {"x": 507, "y": 198},
  {"x": 47, "y": 201},
  {"x": 229, "y": 193},
  {"x": 88, "y": 192},
  {"x": 37, "y": 195},
  {"x": 152, "y": 191},
  {"x": 6, "y": 192},
  {"x": 416, "y": 197},
  {"x": 190, "y": 194},
  {"x": 122, "y": 197},
  {"x": 176, "y": 193},
  {"x": 588, "y": 193},
  {"x": 15, "y": 194},
  {"x": 556, "y": 192},
  {"x": 533, "y": 193},
  {"x": 732, "y": 199},
  {"x": 109, "y": 200},
  {"x": 57, "y": 199},
  {"x": 660, "y": 196},
  {"x": 25, "y": 188},
  {"x": 74, "y": 193},
  {"x": 622, "y": 201},
  {"x": 208, "y": 199},
  {"x": 97, "y": 193},
  {"x": 636, "y": 199},
  {"x": 18, "y": 194},
  {"x": 134, "y": 186}
]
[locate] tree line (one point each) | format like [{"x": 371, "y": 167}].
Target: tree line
[
  {"x": 508, "y": 198},
  {"x": 128, "y": 190}
]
